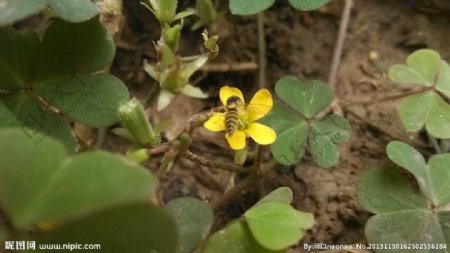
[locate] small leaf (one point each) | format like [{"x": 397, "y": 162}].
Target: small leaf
[
  {"x": 92, "y": 99},
  {"x": 151, "y": 228},
  {"x": 74, "y": 10},
  {"x": 234, "y": 238},
  {"x": 249, "y": 7},
  {"x": 443, "y": 81},
  {"x": 38, "y": 123},
  {"x": 421, "y": 68},
  {"x": 282, "y": 194},
  {"x": 308, "y": 5},
  {"x": 426, "y": 108},
  {"x": 192, "y": 91},
  {"x": 12, "y": 11},
  {"x": 164, "y": 99},
  {"x": 190, "y": 68},
  {"x": 69, "y": 49},
  {"x": 277, "y": 225},
  {"x": 407, "y": 157},
  {"x": 438, "y": 121},
  {"x": 440, "y": 178},
  {"x": 45, "y": 178},
  {"x": 193, "y": 219},
  {"x": 387, "y": 190},
  {"x": 325, "y": 152},
  {"x": 17, "y": 52},
  {"x": 308, "y": 99},
  {"x": 414, "y": 110}
]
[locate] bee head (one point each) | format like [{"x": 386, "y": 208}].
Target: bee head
[{"x": 234, "y": 100}]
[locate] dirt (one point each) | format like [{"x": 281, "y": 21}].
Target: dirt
[{"x": 380, "y": 33}]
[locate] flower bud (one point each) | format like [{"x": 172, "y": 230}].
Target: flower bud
[{"x": 134, "y": 119}]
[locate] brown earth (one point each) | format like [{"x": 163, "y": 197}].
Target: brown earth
[{"x": 380, "y": 33}]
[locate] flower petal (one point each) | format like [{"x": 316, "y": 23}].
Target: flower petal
[
  {"x": 237, "y": 140},
  {"x": 216, "y": 123},
  {"x": 260, "y": 105},
  {"x": 262, "y": 134},
  {"x": 227, "y": 91}
]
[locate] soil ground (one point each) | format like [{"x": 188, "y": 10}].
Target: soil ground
[{"x": 380, "y": 33}]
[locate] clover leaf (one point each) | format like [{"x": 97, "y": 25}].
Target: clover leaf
[
  {"x": 59, "y": 72},
  {"x": 271, "y": 225},
  {"x": 308, "y": 5},
  {"x": 427, "y": 108},
  {"x": 297, "y": 127},
  {"x": 193, "y": 218},
  {"x": 70, "y": 10},
  {"x": 403, "y": 214},
  {"x": 249, "y": 7}
]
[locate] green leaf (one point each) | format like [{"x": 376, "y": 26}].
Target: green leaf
[
  {"x": 282, "y": 194},
  {"x": 14, "y": 10},
  {"x": 92, "y": 99},
  {"x": 74, "y": 10},
  {"x": 7, "y": 118},
  {"x": 292, "y": 132},
  {"x": 421, "y": 68},
  {"x": 37, "y": 122},
  {"x": 387, "y": 190},
  {"x": 324, "y": 152},
  {"x": 277, "y": 225},
  {"x": 428, "y": 109},
  {"x": 308, "y": 99},
  {"x": 332, "y": 129},
  {"x": 69, "y": 49},
  {"x": 404, "y": 216},
  {"x": 138, "y": 228},
  {"x": 433, "y": 179},
  {"x": 192, "y": 91},
  {"x": 308, "y": 5},
  {"x": 418, "y": 226},
  {"x": 44, "y": 179},
  {"x": 438, "y": 168},
  {"x": 443, "y": 81},
  {"x": 249, "y": 7},
  {"x": 234, "y": 238},
  {"x": 17, "y": 52},
  {"x": 193, "y": 219}
]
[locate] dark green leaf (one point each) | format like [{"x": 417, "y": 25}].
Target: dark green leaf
[
  {"x": 17, "y": 53},
  {"x": 308, "y": 99},
  {"x": 308, "y": 5},
  {"x": 92, "y": 99},
  {"x": 69, "y": 49},
  {"x": 193, "y": 219},
  {"x": 7, "y": 118},
  {"x": 387, "y": 190},
  {"x": 277, "y": 225},
  {"x": 325, "y": 152},
  {"x": 44, "y": 179},
  {"x": 234, "y": 238},
  {"x": 249, "y": 7},
  {"x": 292, "y": 131},
  {"x": 137, "y": 228},
  {"x": 37, "y": 122},
  {"x": 14, "y": 10},
  {"x": 74, "y": 10}
]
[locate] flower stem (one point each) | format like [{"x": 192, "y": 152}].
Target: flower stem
[{"x": 208, "y": 163}]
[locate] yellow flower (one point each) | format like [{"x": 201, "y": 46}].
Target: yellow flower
[{"x": 259, "y": 106}]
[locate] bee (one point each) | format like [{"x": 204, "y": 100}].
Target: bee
[{"x": 233, "y": 109}]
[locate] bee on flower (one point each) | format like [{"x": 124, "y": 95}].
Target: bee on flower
[{"x": 239, "y": 119}]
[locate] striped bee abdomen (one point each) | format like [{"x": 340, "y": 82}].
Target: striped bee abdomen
[{"x": 232, "y": 114}]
